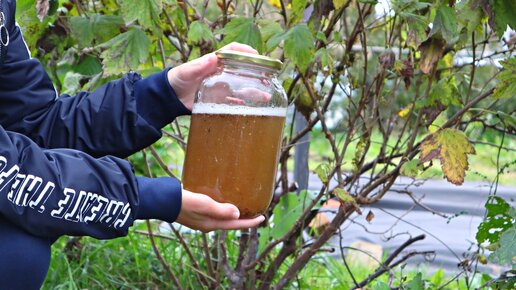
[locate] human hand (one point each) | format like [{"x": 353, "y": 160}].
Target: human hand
[
  {"x": 187, "y": 77},
  {"x": 201, "y": 212}
]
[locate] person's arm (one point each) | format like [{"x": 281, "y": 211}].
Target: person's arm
[
  {"x": 55, "y": 192},
  {"x": 118, "y": 119}
]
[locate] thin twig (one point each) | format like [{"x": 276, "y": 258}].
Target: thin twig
[{"x": 160, "y": 257}]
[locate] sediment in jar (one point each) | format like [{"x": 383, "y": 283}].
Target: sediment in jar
[{"x": 232, "y": 154}]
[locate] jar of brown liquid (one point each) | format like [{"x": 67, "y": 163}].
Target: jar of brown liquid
[{"x": 236, "y": 131}]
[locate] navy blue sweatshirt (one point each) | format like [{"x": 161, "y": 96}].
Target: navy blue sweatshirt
[{"x": 85, "y": 189}]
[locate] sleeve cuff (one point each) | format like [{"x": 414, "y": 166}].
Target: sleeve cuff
[
  {"x": 160, "y": 198},
  {"x": 156, "y": 100}
]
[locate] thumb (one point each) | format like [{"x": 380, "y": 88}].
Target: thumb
[{"x": 224, "y": 211}]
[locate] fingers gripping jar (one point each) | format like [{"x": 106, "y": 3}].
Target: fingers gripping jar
[{"x": 236, "y": 131}]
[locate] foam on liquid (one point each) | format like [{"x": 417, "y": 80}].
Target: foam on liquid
[{"x": 224, "y": 109}]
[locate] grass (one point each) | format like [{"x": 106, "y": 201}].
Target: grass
[{"x": 130, "y": 263}]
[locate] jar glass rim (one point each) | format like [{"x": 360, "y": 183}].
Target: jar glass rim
[{"x": 250, "y": 58}]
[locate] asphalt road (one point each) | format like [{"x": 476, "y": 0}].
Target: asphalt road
[{"x": 397, "y": 218}]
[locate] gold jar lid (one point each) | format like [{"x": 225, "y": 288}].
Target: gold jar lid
[{"x": 250, "y": 58}]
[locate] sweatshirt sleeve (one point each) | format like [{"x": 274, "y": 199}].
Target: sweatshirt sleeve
[
  {"x": 57, "y": 192},
  {"x": 119, "y": 118}
]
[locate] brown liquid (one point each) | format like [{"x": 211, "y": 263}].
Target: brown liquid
[{"x": 233, "y": 158}]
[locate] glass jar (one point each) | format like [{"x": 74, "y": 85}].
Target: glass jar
[{"x": 236, "y": 132}]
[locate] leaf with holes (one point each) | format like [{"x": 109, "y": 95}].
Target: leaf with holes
[
  {"x": 497, "y": 220},
  {"x": 451, "y": 147},
  {"x": 125, "y": 52}
]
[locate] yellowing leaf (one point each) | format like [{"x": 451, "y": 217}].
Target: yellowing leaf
[
  {"x": 431, "y": 51},
  {"x": 339, "y": 3},
  {"x": 403, "y": 113},
  {"x": 275, "y": 3},
  {"x": 451, "y": 146}
]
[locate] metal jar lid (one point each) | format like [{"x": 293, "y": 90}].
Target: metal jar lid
[{"x": 250, "y": 58}]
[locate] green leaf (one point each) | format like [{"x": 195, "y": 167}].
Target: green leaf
[
  {"x": 323, "y": 171},
  {"x": 411, "y": 168},
  {"x": 125, "y": 52},
  {"x": 416, "y": 283},
  {"x": 497, "y": 220},
  {"x": 504, "y": 15},
  {"x": 508, "y": 120},
  {"x": 325, "y": 59},
  {"x": 451, "y": 146},
  {"x": 320, "y": 36},
  {"x": 32, "y": 27},
  {"x": 243, "y": 30},
  {"x": 146, "y": 12},
  {"x": 72, "y": 83},
  {"x": 506, "y": 254},
  {"x": 381, "y": 286},
  {"x": 88, "y": 66},
  {"x": 299, "y": 46},
  {"x": 445, "y": 24},
  {"x": 288, "y": 210},
  {"x": 275, "y": 40},
  {"x": 178, "y": 17},
  {"x": 198, "y": 32},
  {"x": 95, "y": 27},
  {"x": 445, "y": 92},
  {"x": 438, "y": 278},
  {"x": 469, "y": 16},
  {"x": 506, "y": 88},
  {"x": 298, "y": 8},
  {"x": 344, "y": 196},
  {"x": 269, "y": 29}
]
